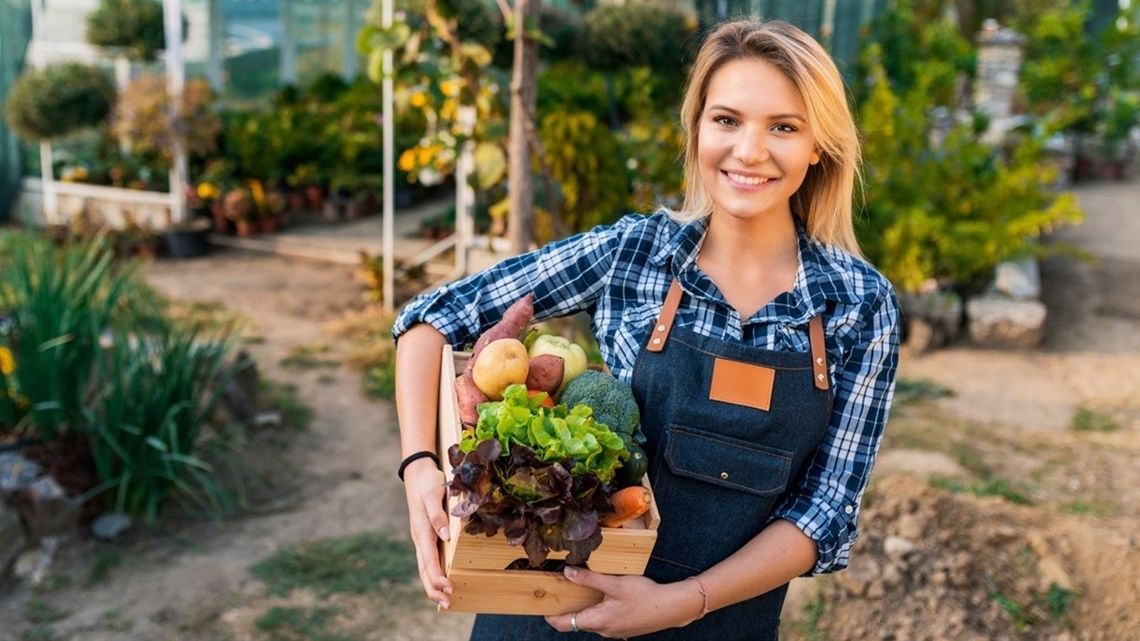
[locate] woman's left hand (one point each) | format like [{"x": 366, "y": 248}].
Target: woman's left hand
[{"x": 633, "y": 605}]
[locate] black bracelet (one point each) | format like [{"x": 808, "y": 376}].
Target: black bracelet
[{"x": 415, "y": 457}]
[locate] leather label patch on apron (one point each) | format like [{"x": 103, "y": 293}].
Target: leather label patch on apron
[{"x": 742, "y": 384}]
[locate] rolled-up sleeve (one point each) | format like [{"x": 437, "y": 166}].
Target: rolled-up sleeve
[
  {"x": 566, "y": 276},
  {"x": 825, "y": 503}
]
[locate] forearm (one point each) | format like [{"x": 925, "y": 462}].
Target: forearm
[
  {"x": 778, "y": 554},
  {"x": 417, "y": 387}
]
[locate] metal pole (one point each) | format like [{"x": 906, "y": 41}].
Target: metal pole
[
  {"x": 288, "y": 48},
  {"x": 175, "y": 82},
  {"x": 39, "y": 61},
  {"x": 389, "y": 169},
  {"x": 216, "y": 56},
  {"x": 348, "y": 60}
]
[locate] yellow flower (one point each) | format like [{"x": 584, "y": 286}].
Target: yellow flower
[
  {"x": 207, "y": 191},
  {"x": 7, "y": 362},
  {"x": 407, "y": 160},
  {"x": 418, "y": 99},
  {"x": 424, "y": 154},
  {"x": 449, "y": 87},
  {"x": 449, "y": 108}
]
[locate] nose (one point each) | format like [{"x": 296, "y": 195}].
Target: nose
[{"x": 751, "y": 147}]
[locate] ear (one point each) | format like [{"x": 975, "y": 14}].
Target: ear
[{"x": 815, "y": 157}]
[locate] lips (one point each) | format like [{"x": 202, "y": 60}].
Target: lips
[{"x": 747, "y": 180}]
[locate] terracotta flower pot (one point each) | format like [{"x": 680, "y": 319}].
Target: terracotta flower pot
[
  {"x": 218, "y": 215},
  {"x": 267, "y": 224},
  {"x": 245, "y": 228}
]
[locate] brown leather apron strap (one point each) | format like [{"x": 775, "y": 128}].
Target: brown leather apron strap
[
  {"x": 818, "y": 353},
  {"x": 664, "y": 323}
]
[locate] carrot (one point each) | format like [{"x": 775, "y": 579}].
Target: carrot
[
  {"x": 514, "y": 321},
  {"x": 629, "y": 503}
]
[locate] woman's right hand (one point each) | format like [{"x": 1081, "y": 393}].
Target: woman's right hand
[{"x": 423, "y": 484}]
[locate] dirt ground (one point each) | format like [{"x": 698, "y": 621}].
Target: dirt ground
[{"x": 989, "y": 517}]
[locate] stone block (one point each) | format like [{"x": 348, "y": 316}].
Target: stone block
[
  {"x": 12, "y": 538},
  {"x": 1001, "y": 322},
  {"x": 1019, "y": 279},
  {"x": 46, "y": 508}
]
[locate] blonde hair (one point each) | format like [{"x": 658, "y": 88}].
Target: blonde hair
[{"x": 823, "y": 201}]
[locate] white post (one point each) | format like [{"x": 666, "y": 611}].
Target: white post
[
  {"x": 389, "y": 169},
  {"x": 122, "y": 72},
  {"x": 39, "y": 61},
  {"x": 288, "y": 47},
  {"x": 175, "y": 81},
  {"x": 216, "y": 56},
  {"x": 464, "y": 204},
  {"x": 348, "y": 61},
  {"x": 827, "y": 27}
]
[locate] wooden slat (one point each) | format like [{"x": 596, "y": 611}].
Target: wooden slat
[{"x": 517, "y": 592}]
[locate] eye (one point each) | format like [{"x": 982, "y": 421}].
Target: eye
[
  {"x": 727, "y": 121},
  {"x": 785, "y": 128}
]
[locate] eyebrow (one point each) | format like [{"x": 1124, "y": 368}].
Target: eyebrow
[{"x": 787, "y": 116}]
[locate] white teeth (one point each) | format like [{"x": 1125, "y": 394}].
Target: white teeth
[{"x": 746, "y": 180}]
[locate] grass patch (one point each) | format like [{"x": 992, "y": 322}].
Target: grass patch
[
  {"x": 1086, "y": 419},
  {"x": 38, "y": 633},
  {"x": 309, "y": 357},
  {"x": 299, "y": 624},
  {"x": 283, "y": 398},
  {"x": 1059, "y": 601},
  {"x": 970, "y": 458},
  {"x": 1089, "y": 508},
  {"x": 1020, "y": 614},
  {"x": 114, "y": 620},
  {"x": 380, "y": 380},
  {"x": 989, "y": 487},
  {"x": 813, "y": 613},
  {"x": 55, "y": 582},
  {"x": 102, "y": 566},
  {"x": 909, "y": 391},
  {"x": 354, "y": 565},
  {"x": 39, "y": 612}
]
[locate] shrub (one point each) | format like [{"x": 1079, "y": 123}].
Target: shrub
[
  {"x": 951, "y": 209},
  {"x": 583, "y": 156},
  {"x": 142, "y": 118},
  {"x": 59, "y": 100},
  {"x": 633, "y": 35},
  {"x": 135, "y": 25}
]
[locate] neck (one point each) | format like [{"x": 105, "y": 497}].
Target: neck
[{"x": 751, "y": 244}]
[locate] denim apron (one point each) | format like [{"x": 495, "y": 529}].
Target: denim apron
[{"x": 730, "y": 428}]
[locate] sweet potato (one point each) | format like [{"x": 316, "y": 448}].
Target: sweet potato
[
  {"x": 545, "y": 373},
  {"x": 514, "y": 321},
  {"x": 469, "y": 399}
]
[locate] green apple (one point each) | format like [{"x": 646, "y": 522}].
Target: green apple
[{"x": 573, "y": 356}]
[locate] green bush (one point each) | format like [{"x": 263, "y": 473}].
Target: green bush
[
  {"x": 58, "y": 303},
  {"x": 950, "y": 210},
  {"x": 135, "y": 25},
  {"x": 634, "y": 35},
  {"x": 59, "y": 100},
  {"x": 476, "y": 21},
  {"x": 583, "y": 157}
]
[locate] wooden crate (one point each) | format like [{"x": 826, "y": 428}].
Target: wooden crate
[{"x": 476, "y": 564}]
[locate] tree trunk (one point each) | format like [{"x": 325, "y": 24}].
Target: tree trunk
[{"x": 520, "y": 222}]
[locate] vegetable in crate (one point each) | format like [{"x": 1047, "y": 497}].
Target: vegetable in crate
[
  {"x": 612, "y": 401},
  {"x": 538, "y": 474},
  {"x": 512, "y": 324},
  {"x": 572, "y": 355}
]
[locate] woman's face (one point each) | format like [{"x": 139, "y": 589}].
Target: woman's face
[{"x": 754, "y": 146}]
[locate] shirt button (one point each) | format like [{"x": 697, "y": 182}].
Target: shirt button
[
  {"x": 849, "y": 509},
  {"x": 724, "y": 476}
]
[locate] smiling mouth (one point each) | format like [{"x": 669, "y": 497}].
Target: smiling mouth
[{"x": 747, "y": 181}]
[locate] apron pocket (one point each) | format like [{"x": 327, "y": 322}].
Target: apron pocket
[
  {"x": 728, "y": 462},
  {"x": 715, "y": 493}
]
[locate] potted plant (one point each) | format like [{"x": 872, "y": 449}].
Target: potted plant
[
  {"x": 305, "y": 178},
  {"x": 239, "y": 207},
  {"x": 56, "y": 101}
]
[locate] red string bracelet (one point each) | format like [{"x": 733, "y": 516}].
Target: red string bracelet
[{"x": 704, "y": 596}]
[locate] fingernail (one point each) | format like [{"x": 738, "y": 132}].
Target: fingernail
[
  {"x": 571, "y": 571},
  {"x": 444, "y": 604},
  {"x": 447, "y": 589},
  {"x": 444, "y": 533}
]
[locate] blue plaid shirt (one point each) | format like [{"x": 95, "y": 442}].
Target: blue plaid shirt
[{"x": 620, "y": 273}]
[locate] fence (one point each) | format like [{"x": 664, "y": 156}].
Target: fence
[{"x": 15, "y": 33}]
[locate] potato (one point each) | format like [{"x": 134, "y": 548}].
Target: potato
[
  {"x": 545, "y": 373},
  {"x": 501, "y": 363}
]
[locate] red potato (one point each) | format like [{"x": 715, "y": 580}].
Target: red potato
[
  {"x": 545, "y": 374},
  {"x": 514, "y": 321},
  {"x": 469, "y": 399}
]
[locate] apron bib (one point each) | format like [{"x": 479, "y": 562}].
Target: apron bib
[{"x": 729, "y": 429}]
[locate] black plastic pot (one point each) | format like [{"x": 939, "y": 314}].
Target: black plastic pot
[{"x": 187, "y": 242}]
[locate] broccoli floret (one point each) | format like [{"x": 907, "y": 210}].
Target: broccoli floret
[{"x": 612, "y": 401}]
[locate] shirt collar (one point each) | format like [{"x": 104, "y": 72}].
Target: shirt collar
[{"x": 820, "y": 277}]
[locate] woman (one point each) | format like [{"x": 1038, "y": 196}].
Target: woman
[{"x": 761, "y": 348}]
